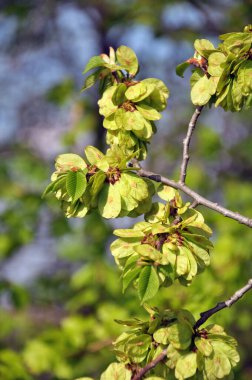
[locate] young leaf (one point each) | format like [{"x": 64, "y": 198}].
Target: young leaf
[
  {"x": 135, "y": 92},
  {"x": 204, "y": 346},
  {"x": 75, "y": 184},
  {"x": 96, "y": 157},
  {"x": 94, "y": 62},
  {"x": 149, "y": 252},
  {"x": 214, "y": 64},
  {"x": 201, "y": 91},
  {"x": 148, "y": 283},
  {"x": 94, "y": 77},
  {"x": 148, "y": 112},
  {"x": 68, "y": 161},
  {"x": 109, "y": 203},
  {"x": 128, "y": 233},
  {"x": 181, "y": 68},
  {"x": 130, "y": 276},
  {"x": 116, "y": 371},
  {"x": 119, "y": 95},
  {"x": 202, "y": 46},
  {"x": 97, "y": 183},
  {"x": 48, "y": 189},
  {"x": 186, "y": 366},
  {"x": 128, "y": 59}
]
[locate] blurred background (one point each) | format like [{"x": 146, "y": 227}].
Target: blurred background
[{"x": 59, "y": 288}]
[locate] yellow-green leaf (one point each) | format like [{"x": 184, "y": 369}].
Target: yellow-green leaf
[
  {"x": 128, "y": 59},
  {"x": 148, "y": 283},
  {"x": 116, "y": 371},
  {"x": 76, "y": 184},
  {"x": 109, "y": 203}
]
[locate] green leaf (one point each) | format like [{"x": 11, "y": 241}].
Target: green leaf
[
  {"x": 181, "y": 68},
  {"x": 96, "y": 157},
  {"x": 48, "y": 189},
  {"x": 128, "y": 59},
  {"x": 217, "y": 365},
  {"x": 76, "y": 184},
  {"x": 166, "y": 193},
  {"x": 94, "y": 62},
  {"x": 136, "y": 92},
  {"x": 156, "y": 213},
  {"x": 158, "y": 97},
  {"x": 162, "y": 335},
  {"x": 98, "y": 180},
  {"x": 138, "y": 346},
  {"x": 214, "y": 64},
  {"x": 178, "y": 334},
  {"x": 81, "y": 210},
  {"x": 94, "y": 77},
  {"x": 121, "y": 248},
  {"x": 116, "y": 371},
  {"x": 125, "y": 233},
  {"x": 202, "y": 91},
  {"x": 130, "y": 276},
  {"x": 109, "y": 203},
  {"x": 149, "y": 86},
  {"x": 196, "y": 75},
  {"x": 146, "y": 250},
  {"x": 200, "y": 253},
  {"x": 182, "y": 264},
  {"x": 199, "y": 240},
  {"x": 202, "y": 46},
  {"x": 148, "y": 112},
  {"x": 68, "y": 161},
  {"x": 138, "y": 186},
  {"x": 186, "y": 366},
  {"x": 119, "y": 95},
  {"x": 133, "y": 121},
  {"x": 148, "y": 283},
  {"x": 107, "y": 107},
  {"x": 204, "y": 346}
]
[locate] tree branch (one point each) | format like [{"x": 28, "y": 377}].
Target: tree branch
[
  {"x": 150, "y": 365},
  {"x": 222, "y": 305},
  {"x": 196, "y": 197},
  {"x": 186, "y": 143}
]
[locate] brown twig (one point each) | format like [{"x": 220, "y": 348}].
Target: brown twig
[
  {"x": 222, "y": 305},
  {"x": 186, "y": 144},
  {"x": 196, "y": 197},
  {"x": 150, "y": 365}
]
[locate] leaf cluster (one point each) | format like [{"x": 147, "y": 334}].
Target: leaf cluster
[
  {"x": 171, "y": 244},
  {"x": 102, "y": 182},
  {"x": 222, "y": 76},
  {"x": 129, "y": 106},
  {"x": 203, "y": 354}
]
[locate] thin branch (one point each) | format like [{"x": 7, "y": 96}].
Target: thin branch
[
  {"x": 186, "y": 143},
  {"x": 196, "y": 197},
  {"x": 151, "y": 365},
  {"x": 222, "y": 305}
]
